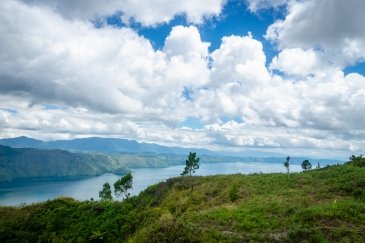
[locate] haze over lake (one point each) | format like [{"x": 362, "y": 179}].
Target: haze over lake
[{"x": 28, "y": 192}]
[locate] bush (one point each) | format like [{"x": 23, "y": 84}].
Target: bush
[
  {"x": 233, "y": 194},
  {"x": 359, "y": 194},
  {"x": 357, "y": 161}
]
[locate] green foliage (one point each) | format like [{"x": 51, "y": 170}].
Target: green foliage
[
  {"x": 122, "y": 186},
  {"x": 325, "y": 205},
  {"x": 306, "y": 165},
  {"x": 358, "y": 161},
  {"x": 233, "y": 193},
  {"x": 334, "y": 207},
  {"x": 191, "y": 164},
  {"x": 359, "y": 194},
  {"x": 106, "y": 193}
]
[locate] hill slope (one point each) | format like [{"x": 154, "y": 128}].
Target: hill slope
[
  {"x": 320, "y": 205},
  {"x": 16, "y": 163}
]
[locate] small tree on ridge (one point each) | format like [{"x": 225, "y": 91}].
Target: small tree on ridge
[
  {"x": 191, "y": 164},
  {"x": 122, "y": 186},
  {"x": 306, "y": 165},
  {"x": 318, "y": 166},
  {"x": 286, "y": 163},
  {"x": 106, "y": 193}
]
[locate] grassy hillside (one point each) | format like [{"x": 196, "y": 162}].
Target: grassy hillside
[{"x": 320, "y": 205}]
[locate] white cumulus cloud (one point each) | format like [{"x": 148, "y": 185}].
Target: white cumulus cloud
[
  {"x": 334, "y": 26},
  {"x": 61, "y": 77},
  {"x": 256, "y": 5},
  {"x": 295, "y": 61},
  {"x": 146, "y": 12}
]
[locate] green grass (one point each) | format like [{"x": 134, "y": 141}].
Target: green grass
[{"x": 325, "y": 205}]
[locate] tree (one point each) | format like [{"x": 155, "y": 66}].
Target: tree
[
  {"x": 354, "y": 158},
  {"x": 106, "y": 193},
  {"x": 191, "y": 164},
  {"x": 286, "y": 163},
  {"x": 358, "y": 161},
  {"x": 122, "y": 186},
  {"x": 306, "y": 165},
  {"x": 318, "y": 166}
]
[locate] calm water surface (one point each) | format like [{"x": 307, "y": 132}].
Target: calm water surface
[{"x": 28, "y": 192}]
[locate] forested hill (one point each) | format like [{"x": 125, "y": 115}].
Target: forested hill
[{"x": 16, "y": 163}]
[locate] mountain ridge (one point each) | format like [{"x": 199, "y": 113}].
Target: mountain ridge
[
  {"x": 108, "y": 145},
  {"x": 117, "y": 146}
]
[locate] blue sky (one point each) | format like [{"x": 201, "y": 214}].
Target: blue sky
[
  {"x": 273, "y": 75},
  {"x": 235, "y": 19}
]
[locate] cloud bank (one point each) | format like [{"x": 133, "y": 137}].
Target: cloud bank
[
  {"x": 60, "y": 77},
  {"x": 333, "y": 26},
  {"x": 146, "y": 12}
]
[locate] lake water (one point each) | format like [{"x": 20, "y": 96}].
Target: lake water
[{"x": 32, "y": 191}]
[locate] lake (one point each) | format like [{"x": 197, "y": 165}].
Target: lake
[{"x": 31, "y": 191}]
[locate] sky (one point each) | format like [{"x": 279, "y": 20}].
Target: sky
[{"x": 283, "y": 76}]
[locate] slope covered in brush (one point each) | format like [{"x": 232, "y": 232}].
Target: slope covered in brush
[{"x": 319, "y": 205}]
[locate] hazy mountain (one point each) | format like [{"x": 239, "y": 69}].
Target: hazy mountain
[
  {"x": 131, "y": 149},
  {"x": 22, "y": 142},
  {"x": 108, "y": 145}
]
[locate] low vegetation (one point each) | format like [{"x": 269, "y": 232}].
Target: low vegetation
[{"x": 326, "y": 204}]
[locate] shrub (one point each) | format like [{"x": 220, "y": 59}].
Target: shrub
[{"x": 233, "y": 194}]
